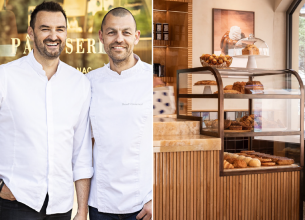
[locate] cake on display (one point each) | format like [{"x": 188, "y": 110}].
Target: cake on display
[
  {"x": 251, "y": 46},
  {"x": 230, "y": 38}
]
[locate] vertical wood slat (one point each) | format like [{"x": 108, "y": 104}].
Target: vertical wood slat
[{"x": 187, "y": 185}]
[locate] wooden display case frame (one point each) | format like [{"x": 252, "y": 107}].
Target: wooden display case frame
[{"x": 221, "y": 96}]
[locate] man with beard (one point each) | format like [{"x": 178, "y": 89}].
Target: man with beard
[
  {"x": 121, "y": 117},
  {"x": 45, "y": 137}
]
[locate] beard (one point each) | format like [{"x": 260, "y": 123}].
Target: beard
[
  {"x": 42, "y": 48},
  {"x": 118, "y": 58}
]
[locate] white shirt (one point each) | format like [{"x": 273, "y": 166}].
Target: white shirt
[
  {"x": 121, "y": 118},
  {"x": 45, "y": 140}
]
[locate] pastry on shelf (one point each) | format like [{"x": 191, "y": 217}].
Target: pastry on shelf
[
  {"x": 229, "y": 92},
  {"x": 230, "y": 38},
  {"x": 227, "y": 124},
  {"x": 285, "y": 161},
  {"x": 240, "y": 157},
  {"x": 268, "y": 164},
  {"x": 254, "y": 163},
  {"x": 239, "y": 86},
  {"x": 228, "y": 87},
  {"x": 250, "y": 49},
  {"x": 247, "y": 159},
  {"x": 226, "y": 157},
  {"x": 206, "y": 82},
  {"x": 231, "y": 160},
  {"x": 227, "y": 165},
  {"x": 236, "y": 123},
  {"x": 254, "y": 87},
  {"x": 235, "y": 127},
  {"x": 239, "y": 164}
]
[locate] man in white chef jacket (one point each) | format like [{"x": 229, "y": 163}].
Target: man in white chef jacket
[
  {"x": 45, "y": 137},
  {"x": 121, "y": 118}
]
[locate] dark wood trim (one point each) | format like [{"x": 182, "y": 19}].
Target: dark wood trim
[
  {"x": 269, "y": 133},
  {"x": 236, "y": 173},
  {"x": 289, "y": 14},
  {"x": 241, "y": 96}
]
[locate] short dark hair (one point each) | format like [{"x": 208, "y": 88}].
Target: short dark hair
[
  {"x": 46, "y": 6},
  {"x": 118, "y": 12}
]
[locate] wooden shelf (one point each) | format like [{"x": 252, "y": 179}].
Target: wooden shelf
[
  {"x": 230, "y": 133},
  {"x": 241, "y": 96}
]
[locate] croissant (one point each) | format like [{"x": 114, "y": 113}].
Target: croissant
[{"x": 227, "y": 165}]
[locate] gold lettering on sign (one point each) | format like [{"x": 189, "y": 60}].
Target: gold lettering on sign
[
  {"x": 27, "y": 44},
  {"x": 91, "y": 43},
  {"x": 14, "y": 46},
  {"x": 83, "y": 69},
  {"x": 79, "y": 45},
  {"x": 69, "y": 45}
]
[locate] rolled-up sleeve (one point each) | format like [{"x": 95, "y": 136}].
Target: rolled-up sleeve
[{"x": 82, "y": 145}]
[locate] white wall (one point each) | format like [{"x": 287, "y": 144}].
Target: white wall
[{"x": 270, "y": 19}]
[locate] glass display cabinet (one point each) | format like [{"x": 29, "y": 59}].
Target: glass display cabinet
[{"x": 257, "y": 113}]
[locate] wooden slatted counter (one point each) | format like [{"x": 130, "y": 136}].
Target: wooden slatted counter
[{"x": 188, "y": 185}]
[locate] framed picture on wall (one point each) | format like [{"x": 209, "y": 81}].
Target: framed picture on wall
[{"x": 229, "y": 26}]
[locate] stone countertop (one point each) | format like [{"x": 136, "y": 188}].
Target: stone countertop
[
  {"x": 177, "y": 143},
  {"x": 176, "y": 135}
]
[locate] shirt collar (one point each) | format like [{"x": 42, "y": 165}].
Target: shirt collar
[
  {"x": 127, "y": 72},
  {"x": 37, "y": 66}
]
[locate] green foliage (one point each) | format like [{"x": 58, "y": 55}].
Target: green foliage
[{"x": 302, "y": 43}]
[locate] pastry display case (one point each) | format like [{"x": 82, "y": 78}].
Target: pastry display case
[{"x": 257, "y": 113}]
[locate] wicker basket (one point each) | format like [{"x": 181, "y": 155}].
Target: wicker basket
[{"x": 203, "y": 63}]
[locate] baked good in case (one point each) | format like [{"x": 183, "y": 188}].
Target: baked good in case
[
  {"x": 284, "y": 161},
  {"x": 239, "y": 86},
  {"x": 229, "y": 92},
  {"x": 254, "y": 163},
  {"x": 234, "y": 155},
  {"x": 227, "y": 124},
  {"x": 206, "y": 82},
  {"x": 226, "y": 157},
  {"x": 268, "y": 164},
  {"x": 235, "y": 127},
  {"x": 231, "y": 160},
  {"x": 247, "y": 159},
  {"x": 227, "y": 165},
  {"x": 228, "y": 87},
  {"x": 254, "y": 87},
  {"x": 250, "y": 49},
  {"x": 240, "y": 157},
  {"x": 239, "y": 164}
]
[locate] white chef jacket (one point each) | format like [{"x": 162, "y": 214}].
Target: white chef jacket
[
  {"x": 121, "y": 118},
  {"x": 45, "y": 137}
]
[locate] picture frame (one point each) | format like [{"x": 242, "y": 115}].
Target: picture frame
[{"x": 229, "y": 24}]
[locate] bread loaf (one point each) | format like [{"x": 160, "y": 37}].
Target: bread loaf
[
  {"x": 254, "y": 163},
  {"x": 227, "y": 165}
]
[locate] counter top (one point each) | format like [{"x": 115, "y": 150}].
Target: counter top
[
  {"x": 173, "y": 126},
  {"x": 177, "y": 143}
]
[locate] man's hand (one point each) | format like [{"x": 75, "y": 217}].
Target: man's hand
[
  {"x": 146, "y": 212},
  {"x": 80, "y": 216},
  {"x": 7, "y": 194}
]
